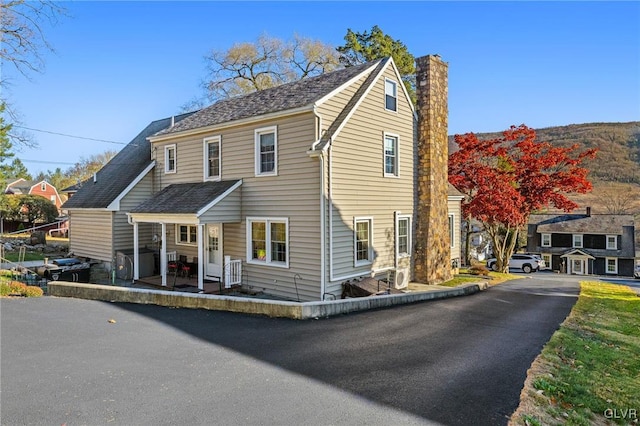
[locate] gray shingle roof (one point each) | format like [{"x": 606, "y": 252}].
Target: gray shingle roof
[
  {"x": 581, "y": 223},
  {"x": 184, "y": 197},
  {"x": 118, "y": 173},
  {"x": 285, "y": 97},
  {"x": 22, "y": 187}
]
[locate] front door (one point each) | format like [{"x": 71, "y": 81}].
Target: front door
[
  {"x": 213, "y": 265},
  {"x": 577, "y": 267}
]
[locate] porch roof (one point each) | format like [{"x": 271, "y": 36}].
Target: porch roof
[
  {"x": 576, "y": 253},
  {"x": 184, "y": 200}
]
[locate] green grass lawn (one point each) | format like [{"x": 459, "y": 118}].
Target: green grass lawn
[
  {"x": 589, "y": 372},
  {"x": 13, "y": 256}
]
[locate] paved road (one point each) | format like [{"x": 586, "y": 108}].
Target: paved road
[{"x": 455, "y": 361}]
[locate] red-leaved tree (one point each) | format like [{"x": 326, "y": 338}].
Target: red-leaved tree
[{"x": 507, "y": 178}]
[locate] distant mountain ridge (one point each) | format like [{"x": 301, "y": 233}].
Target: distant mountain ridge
[
  {"x": 615, "y": 172},
  {"x": 618, "y": 144}
]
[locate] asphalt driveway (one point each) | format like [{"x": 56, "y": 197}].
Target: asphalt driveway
[{"x": 453, "y": 361}]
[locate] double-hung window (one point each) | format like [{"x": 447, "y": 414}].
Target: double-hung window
[
  {"x": 390, "y": 95},
  {"x": 612, "y": 242},
  {"x": 390, "y": 155},
  {"x": 212, "y": 158},
  {"x": 403, "y": 235},
  {"x": 186, "y": 234},
  {"x": 268, "y": 241},
  {"x": 362, "y": 241},
  {"x": 546, "y": 240},
  {"x": 266, "y": 151},
  {"x": 612, "y": 265},
  {"x": 170, "y": 159},
  {"x": 577, "y": 240}
]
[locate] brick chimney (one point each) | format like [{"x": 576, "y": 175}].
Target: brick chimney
[{"x": 432, "y": 256}]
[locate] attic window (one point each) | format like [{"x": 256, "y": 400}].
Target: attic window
[
  {"x": 170, "y": 159},
  {"x": 43, "y": 186},
  {"x": 390, "y": 95}
]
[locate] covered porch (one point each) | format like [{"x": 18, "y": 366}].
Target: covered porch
[
  {"x": 195, "y": 213},
  {"x": 578, "y": 262}
]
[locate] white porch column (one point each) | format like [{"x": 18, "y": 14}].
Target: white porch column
[
  {"x": 163, "y": 254},
  {"x": 136, "y": 255},
  {"x": 201, "y": 257}
]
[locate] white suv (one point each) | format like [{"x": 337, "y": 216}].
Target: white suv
[{"x": 526, "y": 262}]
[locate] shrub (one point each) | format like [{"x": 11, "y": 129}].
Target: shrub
[
  {"x": 16, "y": 288},
  {"x": 478, "y": 270},
  {"x": 33, "y": 291}
]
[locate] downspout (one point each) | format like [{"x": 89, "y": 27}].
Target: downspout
[
  {"x": 323, "y": 237},
  {"x": 330, "y": 199}
]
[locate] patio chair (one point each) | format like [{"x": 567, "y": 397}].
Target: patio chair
[
  {"x": 172, "y": 262},
  {"x": 185, "y": 267}
]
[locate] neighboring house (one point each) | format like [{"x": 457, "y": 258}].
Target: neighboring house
[
  {"x": 291, "y": 190},
  {"x": 581, "y": 244},
  {"x": 454, "y": 203},
  {"x": 31, "y": 187}
]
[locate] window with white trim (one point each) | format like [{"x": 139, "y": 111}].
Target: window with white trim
[
  {"x": 266, "y": 151},
  {"x": 577, "y": 240},
  {"x": 403, "y": 236},
  {"x": 53, "y": 199},
  {"x": 390, "y": 95},
  {"x": 170, "y": 159},
  {"x": 187, "y": 235},
  {"x": 43, "y": 186},
  {"x": 212, "y": 158},
  {"x": 362, "y": 241},
  {"x": 390, "y": 155},
  {"x": 452, "y": 230},
  {"x": 612, "y": 242},
  {"x": 547, "y": 260},
  {"x": 268, "y": 241},
  {"x": 546, "y": 240},
  {"x": 612, "y": 265}
]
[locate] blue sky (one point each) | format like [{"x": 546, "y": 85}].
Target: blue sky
[{"x": 120, "y": 65}]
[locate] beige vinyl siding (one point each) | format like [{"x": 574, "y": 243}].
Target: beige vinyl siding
[
  {"x": 226, "y": 210},
  {"x": 294, "y": 193},
  {"x": 122, "y": 230},
  {"x": 90, "y": 234},
  {"x": 330, "y": 109},
  {"x": 359, "y": 188}
]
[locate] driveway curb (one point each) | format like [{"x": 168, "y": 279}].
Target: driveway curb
[{"x": 271, "y": 308}]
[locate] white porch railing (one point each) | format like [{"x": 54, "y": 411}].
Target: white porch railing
[{"x": 232, "y": 272}]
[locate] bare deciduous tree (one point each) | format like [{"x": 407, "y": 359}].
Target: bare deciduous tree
[
  {"x": 265, "y": 63},
  {"x": 23, "y": 38}
]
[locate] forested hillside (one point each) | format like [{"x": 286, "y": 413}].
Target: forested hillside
[{"x": 615, "y": 172}]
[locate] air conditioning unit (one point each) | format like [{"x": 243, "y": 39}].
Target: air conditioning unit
[{"x": 401, "y": 278}]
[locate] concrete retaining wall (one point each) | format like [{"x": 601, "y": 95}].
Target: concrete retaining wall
[{"x": 271, "y": 308}]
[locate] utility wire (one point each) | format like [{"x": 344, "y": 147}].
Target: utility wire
[{"x": 70, "y": 136}]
